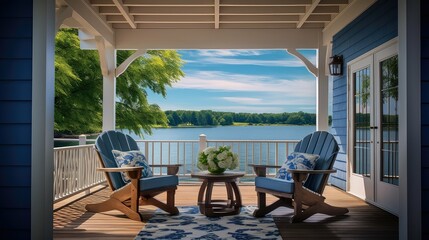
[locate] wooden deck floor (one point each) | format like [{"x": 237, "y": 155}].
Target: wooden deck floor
[{"x": 364, "y": 221}]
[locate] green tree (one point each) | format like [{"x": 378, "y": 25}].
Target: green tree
[{"x": 78, "y": 97}]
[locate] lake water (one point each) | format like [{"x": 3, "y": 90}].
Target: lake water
[{"x": 231, "y": 133}]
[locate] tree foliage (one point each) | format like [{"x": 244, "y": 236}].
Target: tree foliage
[
  {"x": 78, "y": 87},
  {"x": 212, "y": 118}
]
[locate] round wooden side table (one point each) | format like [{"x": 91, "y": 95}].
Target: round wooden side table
[{"x": 215, "y": 207}]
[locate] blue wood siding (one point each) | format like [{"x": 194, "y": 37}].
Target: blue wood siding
[
  {"x": 16, "y": 19},
  {"x": 425, "y": 116},
  {"x": 374, "y": 27}
]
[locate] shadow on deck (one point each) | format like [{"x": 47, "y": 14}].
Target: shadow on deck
[{"x": 364, "y": 221}]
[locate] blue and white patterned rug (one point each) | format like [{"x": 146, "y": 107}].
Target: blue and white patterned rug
[{"x": 191, "y": 224}]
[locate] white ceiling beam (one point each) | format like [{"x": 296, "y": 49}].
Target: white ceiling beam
[
  {"x": 310, "y": 67},
  {"x": 216, "y": 38},
  {"x": 259, "y": 3},
  {"x": 124, "y": 65},
  {"x": 91, "y": 20},
  {"x": 352, "y": 11},
  {"x": 216, "y": 13},
  {"x": 308, "y": 12},
  {"x": 124, "y": 11},
  {"x": 101, "y": 47},
  {"x": 169, "y": 3}
]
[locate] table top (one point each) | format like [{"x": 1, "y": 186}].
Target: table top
[{"x": 225, "y": 175}]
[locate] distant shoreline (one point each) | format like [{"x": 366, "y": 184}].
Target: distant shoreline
[{"x": 234, "y": 125}]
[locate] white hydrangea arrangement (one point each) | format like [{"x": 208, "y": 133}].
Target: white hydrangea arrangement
[{"x": 217, "y": 160}]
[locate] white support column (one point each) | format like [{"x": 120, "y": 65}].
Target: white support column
[
  {"x": 108, "y": 59},
  {"x": 410, "y": 132},
  {"x": 42, "y": 119},
  {"x": 322, "y": 91}
]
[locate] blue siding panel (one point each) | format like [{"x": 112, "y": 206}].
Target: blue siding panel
[
  {"x": 15, "y": 134},
  {"x": 17, "y": 219},
  {"x": 15, "y": 111},
  {"x": 425, "y": 91},
  {"x": 16, "y": 9},
  {"x": 425, "y": 136},
  {"x": 15, "y": 155},
  {"x": 425, "y": 113},
  {"x": 18, "y": 28},
  {"x": 15, "y": 69},
  {"x": 8, "y": 90},
  {"x": 425, "y": 69},
  {"x": 425, "y": 158},
  {"x": 15, "y": 197},
  {"x": 16, "y": 24},
  {"x": 16, "y": 48},
  {"x": 15, "y": 234},
  {"x": 366, "y": 32},
  {"x": 9, "y": 176}
]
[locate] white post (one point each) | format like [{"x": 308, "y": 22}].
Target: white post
[
  {"x": 109, "y": 89},
  {"x": 203, "y": 142},
  {"x": 42, "y": 119},
  {"x": 410, "y": 125},
  {"x": 322, "y": 89},
  {"x": 82, "y": 139}
]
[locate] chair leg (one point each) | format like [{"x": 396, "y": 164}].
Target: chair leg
[
  {"x": 263, "y": 209},
  {"x": 316, "y": 204},
  {"x": 155, "y": 202},
  {"x": 113, "y": 204},
  {"x": 170, "y": 202},
  {"x": 116, "y": 202}
]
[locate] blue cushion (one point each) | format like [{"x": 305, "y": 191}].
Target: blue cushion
[
  {"x": 158, "y": 182},
  {"x": 297, "y": 160},
  {"x": 275, "y": 184},
  {"x": 132, "y": 159}
]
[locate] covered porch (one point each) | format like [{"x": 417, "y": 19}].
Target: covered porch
[{"x": 111, "y": 25}]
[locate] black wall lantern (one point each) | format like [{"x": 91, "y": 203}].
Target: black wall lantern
[{"x": 336, "y": 66}]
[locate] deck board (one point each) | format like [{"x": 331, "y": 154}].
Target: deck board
[{"x": 364, "y": 221}]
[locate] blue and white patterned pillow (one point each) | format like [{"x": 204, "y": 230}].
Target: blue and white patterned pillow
[
  {"x": 297, "y": 160},
  {"x": 132, "y": 159}
]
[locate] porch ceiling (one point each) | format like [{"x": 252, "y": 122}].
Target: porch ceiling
[
  {"x": 218, "y": 14},
  {"x": 239, "y": 20}
]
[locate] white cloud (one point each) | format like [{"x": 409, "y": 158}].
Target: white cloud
[
  {"x": 246, "y": 100},
  {"x": 223, "y": 81},
  {"x": 275, "y": 99},
  {"x": 228, "y": 53},
  {"x": 255, "y": 62}
]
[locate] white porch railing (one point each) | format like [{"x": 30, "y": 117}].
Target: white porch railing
[
  {"x": 75, "y": 167},
  {"x": 185, "y": 152},
  {"x": 75, "y": 170}
]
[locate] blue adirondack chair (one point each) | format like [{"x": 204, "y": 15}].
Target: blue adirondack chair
[
  {"x": 304, "y": 193},
  {"x": 127, "y": 196}
]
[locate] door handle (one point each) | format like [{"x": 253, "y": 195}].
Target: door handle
[{"x": 373, "y": 127}]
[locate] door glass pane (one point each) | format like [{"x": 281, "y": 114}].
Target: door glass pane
[
  {"x": 389, "y": 121},
  {"x": 362, "y": 118}
]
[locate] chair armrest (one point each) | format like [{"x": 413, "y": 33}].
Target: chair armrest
[
  {"x": 312, "y": 171},
  {"x": 172, "y": 169},
  {"x": 300, "y": 175},
  {"x": 261, "y": 170},
  {"x": 132, "y": 172}
]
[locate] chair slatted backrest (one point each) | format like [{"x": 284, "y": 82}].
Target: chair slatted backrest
[
  {"x": 113, "y": 140},
  {"x": 323, "y": 144}
]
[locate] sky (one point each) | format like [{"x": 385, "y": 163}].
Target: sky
[{"x": 253, "y": 81}]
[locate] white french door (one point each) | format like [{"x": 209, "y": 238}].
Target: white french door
[{"x": 373, "y": 128}]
